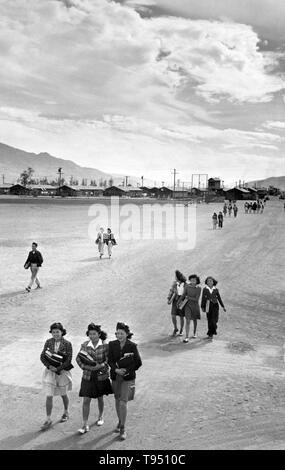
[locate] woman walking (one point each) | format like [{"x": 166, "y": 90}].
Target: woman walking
[
  {"x": 110, "y": 241},
  {"x": 95, "y": 381},
  {"x": 100, "y": 242},
  {"x": 173, "y": 298},
  {"x": 34, "y": 262},
  {"x": 220, "y": 219},
  {"x": 246, "y": 207},
  {"x": 235, "y": 209},
  {"x": 56, "y": 357},
  {"x": 210, "y": 304},
  {"x": 124, "y": 360},
  {"x": 230, "y": 208},
  {"x": 192, "y": 293},
  {"x": 225, "y": 209},
  {"x": 214, "y": 220}
]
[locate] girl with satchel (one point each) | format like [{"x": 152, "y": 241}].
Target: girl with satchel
[
  {"x": 110, "y": 241},
  {"x": 210, "y": 304},
  {"x": 57, "y": 380},
  {"x": 173, "y": 299},
  {"x": 95, "y": 381}
]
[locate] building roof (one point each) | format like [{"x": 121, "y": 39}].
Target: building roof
[
  {"x": 242, "y": 190},
  {"x": 215, "y": 179},
  {"x": 41, "y": 186}
]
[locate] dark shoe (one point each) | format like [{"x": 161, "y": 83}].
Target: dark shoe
[
  {"x": 180, "y": 333},
  {"x": 117, "y": 428},
  {"x": 28, "y": 289},
  {"x": 186, "y": 340},
  {"x": 46, "y": 425},
  {"x": 64, "y": 417},
  {"x": 174, "y": 331}
]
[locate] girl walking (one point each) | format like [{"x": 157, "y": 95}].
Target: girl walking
[
  {"x": 173, "y": 298},
  {"x": 110, "y": 241},
  {"x": 220, "y": 219},
  {"x": 230, "y": 208},
  {"x": 95, "y": 381},
  {"x": 57, "y": 378},
  {"x": 34, "y": 262},
  {"x": 192, "y": 293},
  {"x": 100, "y": 242},
  {"x": 214, "y": 220},
  {"x": 235, "y": 209},
  {"x": 210, "y": 304},
  {"x": 225, "y": 209},
  {"x": 124, "y": 360}
]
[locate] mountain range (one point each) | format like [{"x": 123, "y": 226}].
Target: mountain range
[
  {"x": 13, "y": 161},
  {"x": 276, "y": 181}
]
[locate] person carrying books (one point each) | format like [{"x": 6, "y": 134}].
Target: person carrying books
[
  {"x": 93, "y": 360},
  {"x": 173, "y": 299},
  {"x": 34, "y": 262},
  {"x": 210, "y": 304},
  {"x": 56, "y": 357},
  {"x": 100, "y": 242},
  {"x": 124, "y": 360},
  {"x": 110, "y": 241}
]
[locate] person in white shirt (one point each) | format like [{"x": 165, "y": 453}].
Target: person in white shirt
[
  {"x": 173, "y": 299},
  {"x": 100, "y": 242}
]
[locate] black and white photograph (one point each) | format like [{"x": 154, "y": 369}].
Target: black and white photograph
[{"x": 142, "y": 221}]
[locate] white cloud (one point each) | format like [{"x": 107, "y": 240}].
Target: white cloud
[{"x": 275, "y": 125}]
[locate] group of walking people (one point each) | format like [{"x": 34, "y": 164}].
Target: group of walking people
[
  {"x": 105, "y": 238},
  {"x": 184, "y": 299},
  {"x": 255, "y": 207},
  {"x": 108, "y": 368}
]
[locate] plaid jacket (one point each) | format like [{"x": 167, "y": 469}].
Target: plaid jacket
[
  {"x": 65, "y": 348},
  {"x": 100, "y": 356}
]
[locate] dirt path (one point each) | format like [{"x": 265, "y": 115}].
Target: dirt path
[{"x": 227, "y": 394}]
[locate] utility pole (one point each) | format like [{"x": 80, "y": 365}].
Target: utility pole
[
  {"x": 175, "y": 172},
  {"x": 142, "y": 178},
  {"x": 126, "y": 180},
  {"x": 60, "y": 176},
  {"x": 162, "y": 183},
  {"x": 3, "y": 178}
]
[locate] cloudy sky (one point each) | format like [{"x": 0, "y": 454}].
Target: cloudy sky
[{"x": 142, "y": 87}]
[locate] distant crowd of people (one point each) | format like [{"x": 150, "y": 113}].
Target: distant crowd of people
[{"x": 255, "y": 207}]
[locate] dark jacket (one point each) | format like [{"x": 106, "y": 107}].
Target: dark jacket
[
  {"x": 35, "y": 257},
  {"x": 116, "y": 353},
  {"x": 65, "y": 348},
  {"x": 214, "y": 297}
]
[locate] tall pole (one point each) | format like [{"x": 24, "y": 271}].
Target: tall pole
[
  {"x": 174, "y": 180},
  {"x": 3, "y": 178},
  {"x": 142, "y": 178}
]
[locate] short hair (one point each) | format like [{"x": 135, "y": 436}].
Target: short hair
[
  {"x": 109, "y": 230},
  {"x": 124, "y": 327},
  {"x": 34, "y": 243},
  {"x": 57, "y": 326},
  {"x": 213, "y": 279},
  {"x": 92, "y": 327},
  {"x": 194, "y": 276}
]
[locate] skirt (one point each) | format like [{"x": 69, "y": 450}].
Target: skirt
[
  {"x": 56, "y": 384},
  {"x": 95, "y": 388},
  {"x": 192, "y": 311},
  {"x": 174, "y": 309}
]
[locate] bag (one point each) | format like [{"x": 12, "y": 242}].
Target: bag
[
  {"x": 97, "y": 240},
  {"x": 131, "y": 392},
  {"x": 27, "y": 265},
  {"x": 86, "y": 358},
  {"x": 54, "y": 359},
  {"x": 181, "y": 304}
]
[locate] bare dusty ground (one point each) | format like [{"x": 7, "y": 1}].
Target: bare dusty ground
[{"x": 227, "y": 394}]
